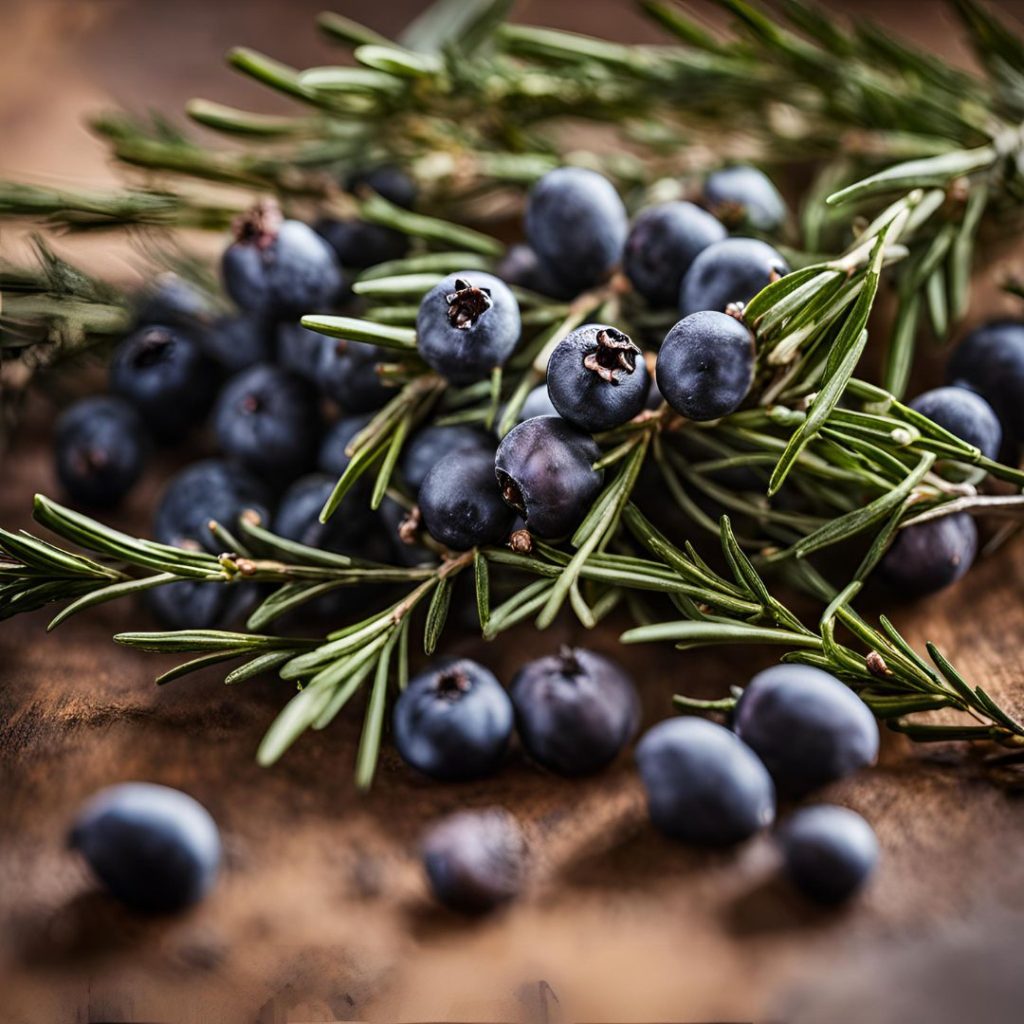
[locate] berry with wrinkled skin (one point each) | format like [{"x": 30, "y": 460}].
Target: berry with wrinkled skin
[
  {"x": 806, "y": 726},
  {"x": 467, "y": 325},
  {"x": 743, "y": 196},
  {"x": 929, "y": 556},
  {"x": 238, "y": 342},
  {"x": 155, "y": 849},
  {"x": 461, "y": 504},
  {"x": 280, "y": 267},
  {"x": 207, "y": 490},
  {"x": 269, "y": 420},
  {"x": 597, "y": 378},
  {"x": 475, "y": 860},
  {"x": 545, "y": 471},
  {"x": 828, "y": 852},
  {"x": 163, "y": 372},
  {"x": 538, "y": 403},
  {"x": 431, "y": 444},
  {"x": 577, "y": 225},
  {"x": 704, "y": 784},
  {"x": 453, "y": 721},
  {"x": 99, "y": 450},
  {"x": 575, "y": 711},
  {"x": 663, "y": 242},
  {"x": 990, "y": 361},
  {"x": 964, "y": 413},
  {"x": 706, "y": 366},
  {"x": 733, "y": 270}
]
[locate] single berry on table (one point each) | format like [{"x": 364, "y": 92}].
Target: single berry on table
[
  {"x": 964, "y": 413},
  {"x": 475, "y": 860},
  {"x": 742, "y": 196},
  {"x": 461, "y": 504},
  {"x": 727, "y": 272},
  {"x": 538, "y": 403},
  {"x": 704, "y": 784},
  {"x": 597, "y": 378},
  {"x": 930, "y": 556},
  {"x": 662, "y": 243},
  {"x": 280, "y": 267},
  {"x": 990, "y": 361},
  {"x": 269, "y": 420},
  {"x": 575, "y": 711},
  {"x": 828, "y": 853},
  {"x": 100, "y": 449},
  {"x": 577, "y": 225},
  {"x": 433, "y": 443},
  {"x": 155, "y": 849},
  {"x": 467, "y": 326},
  {"x": 163, "y": 372},
  {"x": 705, "y": 366},
  {"x": 806, "y": 726},
  {"x": 453, "y": 721},
  {"x": 545, "y": 469}
]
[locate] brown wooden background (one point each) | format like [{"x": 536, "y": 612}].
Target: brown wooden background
[{"x": 321, "y": 914}]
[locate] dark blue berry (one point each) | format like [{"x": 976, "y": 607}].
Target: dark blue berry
[
  {"x": 807, "y": 727},
  {"x": 400, "y": 534},
  {"x": 577, "y": 226},
  {"x": 965, "y": 414},
  {"x": 238, "y": 342},
  {"x": 742, "y": 196},
  {"x": 171, "y": 299},
  {"x": 706, "y": 366},
  {"x": 300, "y": 350},
  {"x": 431, "y": 444},
  {"x": 205, "y": 491},
  {"x": 704, "y": 785},
  {"x": 453, "y": 721},
  {"x": 386, "y": 180},
  {"x": 298, "y": 516},
  {"x": 461, "y": 503},
  {"x": 733, "y": 270},
  {"x": 280, "y": 267},
  {"x": 269, "y": 420},
  {"x": 350, "y": 376},
  {"x": 575, "y": 711},
  {"x": 538, "y": 403},
  {"x": 193, "y": 605},
  {"x": 545, "y": 471},
  {"x": 163, "y": 372},
  {"x": 333, "y": 459},
  {"x": 990, "y": 361},
  {"x": 662, "y": 244},
  {"x": 155, "y": 849},
  {"x": 930, "y": 556},
  {"x": 99, "y": 450},
  {"x": 597, "y": 378},
  {"x": 828, "y": 852},
  {"x": 360, "y": 244},
  {"x": 521, "y": 267},
  {"x": 467, "y": 325},
  {"x": 475, "y": 860}
]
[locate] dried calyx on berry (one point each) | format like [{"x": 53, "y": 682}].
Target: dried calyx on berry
[
  {"x": 614, "y": 357},
  {"x": 466, "y": 304}
]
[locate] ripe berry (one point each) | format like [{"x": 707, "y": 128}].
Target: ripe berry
[
  {"x": 269, "y": 420},
  {"x": 238, "y": 342},
  {"x": 386, "y": 180},
  {"x": 333, "y": 459},
  {"x": 545, "y": 470},
  {"x": 929, "y": 556},
  {"x": 965, "y": 414},
  {"x": 577, "y": 225},
  {"x": 453, "y": 721},
  {"x": 575, "y": 711},
  {"x": 521, "y": 267},
  {"x": 706, "y": 366},
  {"x": 164, "y": 374},
  {"x": 828, "y": 852},
  {"x": 467, "y": 325},
  {"x": 461, "y": 503},
  {"x": 298, "y": 516},
  {"x": 704, "y": 784},
  {"x": 806, "y": 726},
  {"x": 743, "y": 196},
  {"x": 99, "y": 450},
  {"x": 349, "y": 375},
  {"x": 171, "y": 299},
  {"x": 432, "y": 444},
  {"x": 663, "y": 242},
  {"x": 280, "y": 267},
  {"x": 733, "y": 270},
  {"x": 192, "y": 605},
  {"x": 990, "y": 361},
  {"x": 155, "y": 849},
  {"x": 203, "y": 491},
  {"x": 538, "y": 403},
  {"x": 597, "y": 378},
  {"x": 359, "y": 243},
  {"x": 475, "y": 860}
]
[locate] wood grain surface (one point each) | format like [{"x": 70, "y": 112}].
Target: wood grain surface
[{"x": 321, "y": 913}]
